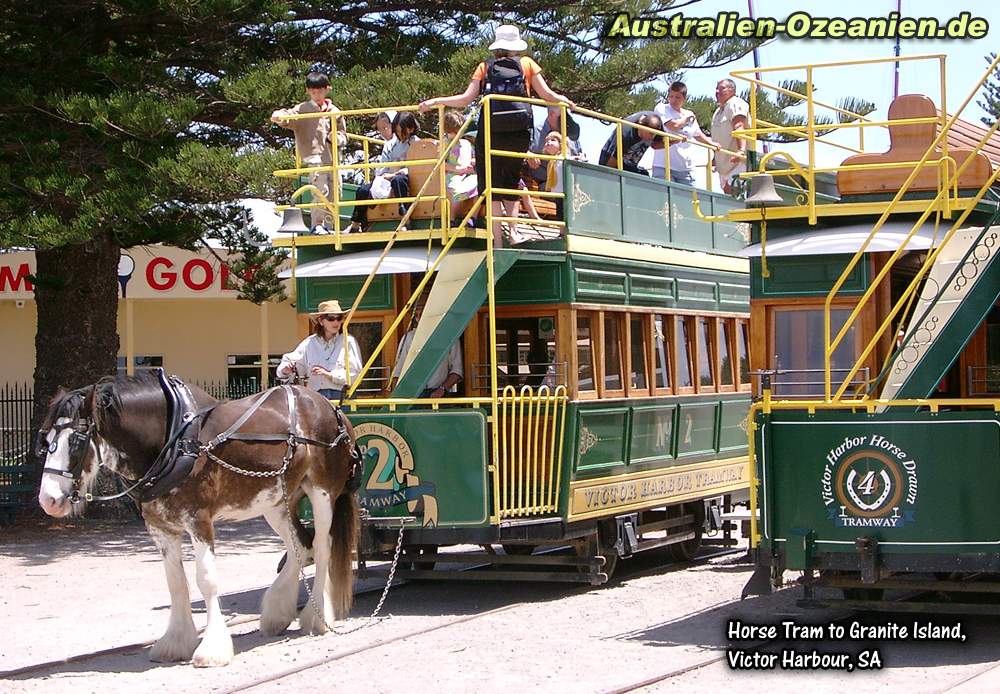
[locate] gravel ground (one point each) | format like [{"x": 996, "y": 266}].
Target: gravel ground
[{"x": 75, "y": 588}]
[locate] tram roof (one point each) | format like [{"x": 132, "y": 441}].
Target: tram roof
[
  {"x": 845, "y": 239},
  {"x": 397, "y": 261}
]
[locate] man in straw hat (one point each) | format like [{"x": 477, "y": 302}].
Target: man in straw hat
[{"x": 322, "y": 358}]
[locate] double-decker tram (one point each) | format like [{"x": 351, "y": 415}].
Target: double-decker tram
[
  {"x": 604, "y": 363},
  {"x": 875, "y": 324}
]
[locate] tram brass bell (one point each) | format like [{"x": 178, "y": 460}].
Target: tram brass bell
[
  {"x": 291, "y": 222},
  {"x": 762, "y": 190}
]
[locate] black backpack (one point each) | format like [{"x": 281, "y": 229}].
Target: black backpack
[{"x": 505, "y": 76}]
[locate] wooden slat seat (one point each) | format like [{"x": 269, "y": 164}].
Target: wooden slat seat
[
  {"x": 427, "y": 209},
  {"x": 909, "y": 143}
]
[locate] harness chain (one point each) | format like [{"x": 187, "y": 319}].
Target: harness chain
[{"x": 292, "y": 441}]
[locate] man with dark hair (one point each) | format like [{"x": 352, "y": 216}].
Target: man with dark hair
[
  {"x": 312, "y": 136},
  {"x": 635, "y": 142},
  {"x": 679, "y": 121}
]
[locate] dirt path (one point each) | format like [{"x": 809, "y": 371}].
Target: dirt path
[{"x": 69, "y": 591}]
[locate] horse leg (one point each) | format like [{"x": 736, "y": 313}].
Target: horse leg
[
  {"x": 216, "y": 644},
  {"x": 277, "y": 609},
  {"x": 181, "y": 638},
  {"x": 314, "y": 618}
]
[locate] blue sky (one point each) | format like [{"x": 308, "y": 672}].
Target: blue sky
[{"x": 965, "y": 62}]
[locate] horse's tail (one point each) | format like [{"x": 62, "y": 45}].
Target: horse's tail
[{"x": 344, "y": 534}]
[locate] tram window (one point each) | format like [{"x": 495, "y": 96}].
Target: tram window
[
  {"x": 743, "y": 350},
  {"x": 663, "y": 346},
  {"x": 726, "y": 353},
  {"x": 706, "y": 356},
  {"x": 584, "y": 354},
  {"x": 799, "y": 347},
  {"x": 613, "y": 352},
  {"x": 685, "y": 348},
  {"x": 638, "y": 334}
]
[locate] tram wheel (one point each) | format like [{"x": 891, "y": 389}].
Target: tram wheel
[
  {"x": 517, "y": 550},
  {"x": 688, "y": 550}
]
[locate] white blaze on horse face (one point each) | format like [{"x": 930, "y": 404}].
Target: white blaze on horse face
[{"x": 53, "y": 495}]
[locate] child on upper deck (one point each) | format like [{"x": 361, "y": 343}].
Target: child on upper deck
[{"x": 313, "y": 135}]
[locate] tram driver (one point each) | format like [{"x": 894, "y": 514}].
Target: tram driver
[{"x": 445, "y": 379}]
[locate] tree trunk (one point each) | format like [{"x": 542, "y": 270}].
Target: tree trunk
[{"x": 76, "y": 293}]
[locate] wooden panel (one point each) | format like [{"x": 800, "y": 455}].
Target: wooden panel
[
  {"x": 696, "y": 428},
  {"x": 652, "y": 437},
  {"x": 600, "y": 284},
  {"x": 909, "y": 143},
  {"x": 658, "y": 291},
  {"x": 646, "y": 210},
  {"x": 595, "y": 208}
]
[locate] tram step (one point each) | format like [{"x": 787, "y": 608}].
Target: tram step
[{"x": 961, "y": 287}]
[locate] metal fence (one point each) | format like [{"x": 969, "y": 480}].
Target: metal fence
[{"x": 17, "y": 475}]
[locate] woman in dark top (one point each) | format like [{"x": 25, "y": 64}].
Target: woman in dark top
[{"x": 505, "y": 171}]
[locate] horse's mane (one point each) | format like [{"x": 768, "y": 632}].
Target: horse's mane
[
  {"x": 113, "y": 395},
  {"x": 65, "y": 403}
]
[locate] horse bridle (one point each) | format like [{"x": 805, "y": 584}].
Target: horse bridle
[{"x": 80, "y": 439}]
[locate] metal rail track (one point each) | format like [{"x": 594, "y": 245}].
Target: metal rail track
[{"x": 37, "y": 668}]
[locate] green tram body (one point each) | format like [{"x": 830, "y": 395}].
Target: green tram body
[
  {"x": 635, "y": 256},
  {"x": 874, "y": 498}
]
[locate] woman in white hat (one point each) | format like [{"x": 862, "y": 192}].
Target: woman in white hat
[
  {"x": 495, "y": 76},
  {"x": 321, "y": 358}
]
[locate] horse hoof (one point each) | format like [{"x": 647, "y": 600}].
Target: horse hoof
[
  {"x": 272, "y": 626},
  {"x": 311, "y": 624},
  {"x": 173, "y": 650},
  {"x": 213, "y": 654}
]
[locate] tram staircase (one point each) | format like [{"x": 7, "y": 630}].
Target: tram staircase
[
  {"x": 960, "y": 281},
  {"x": 454, "y": 299},
  {"x": 961, "y": 287}
]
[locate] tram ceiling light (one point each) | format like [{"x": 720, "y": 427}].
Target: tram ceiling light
[
  {"x": 762, "y": 191},
  {"x": 291, "y": 222}
]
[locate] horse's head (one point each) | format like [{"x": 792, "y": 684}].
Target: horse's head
[{"x": 67, "y": 445}]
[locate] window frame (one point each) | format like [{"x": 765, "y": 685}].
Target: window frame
[
  {"x": 689, "y": 347},
  {"x": 720, "y": 339},
  {"x": 605, "y": 392},
  {"x": 645, "y": 334}
]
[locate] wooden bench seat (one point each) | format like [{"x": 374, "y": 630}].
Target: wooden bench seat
[{"x": 909, "y": 143}]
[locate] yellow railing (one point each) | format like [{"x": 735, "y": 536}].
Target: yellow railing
[
  {"x": 530, "y": 429},
  {"x": 946, "y": 201},
  {"x": 938, "y": 203}
]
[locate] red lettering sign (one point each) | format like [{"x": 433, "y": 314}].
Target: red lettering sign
[
  {"x": 7, "y": 279},
  {"x": 206, "y": 268},
  {"x": 164, "y": 280}
]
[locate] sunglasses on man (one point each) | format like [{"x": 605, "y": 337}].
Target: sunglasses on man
[{"x": 332, "y": 319}]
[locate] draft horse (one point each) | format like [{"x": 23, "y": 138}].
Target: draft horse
[{"x": 252, "y": 457}]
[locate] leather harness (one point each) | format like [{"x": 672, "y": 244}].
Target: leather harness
[{"x": 182, "y": 447}]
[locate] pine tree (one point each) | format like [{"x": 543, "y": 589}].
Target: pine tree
[
  {"x": 991, "y": 94},
  {"x": 126, "y": 122}
]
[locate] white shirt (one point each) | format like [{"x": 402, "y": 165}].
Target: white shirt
[
  {"x": 722, "y": 132},
  {"x": 451, "y": 365},
  {"x": 315, "y": 351},
  {"x": 681, "y": 153}
]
